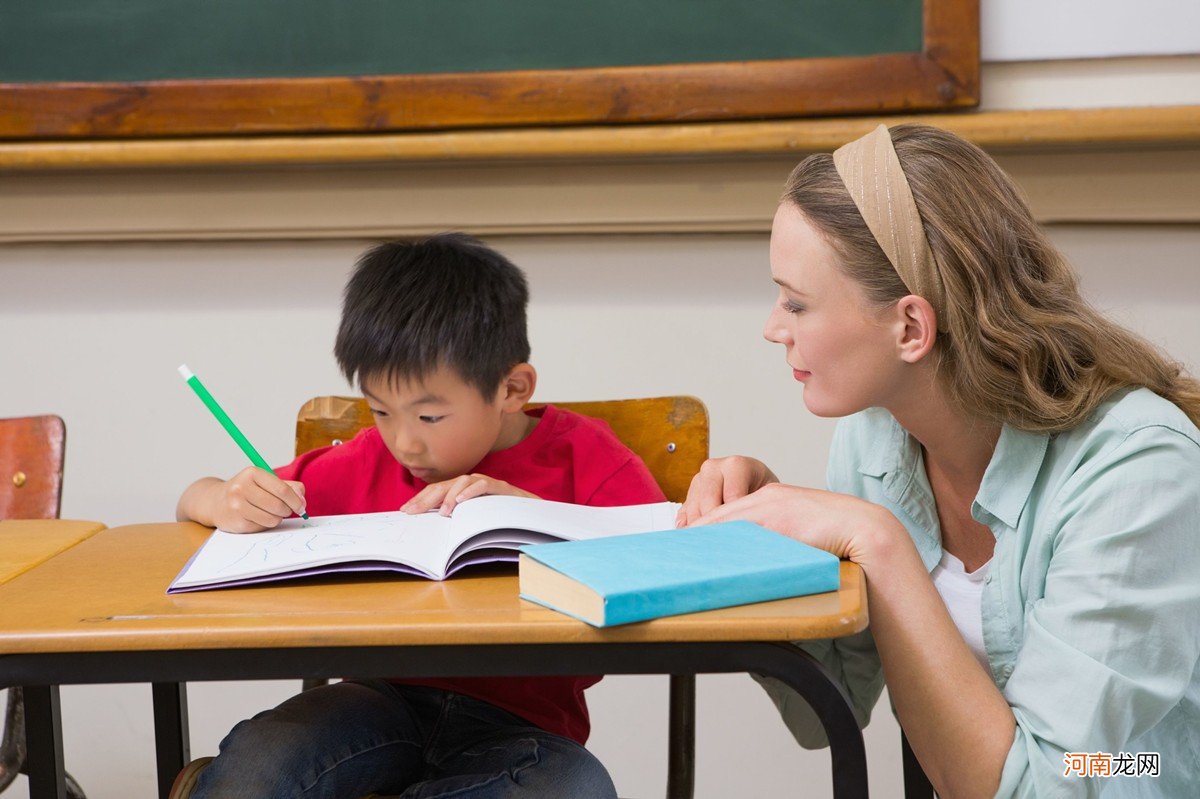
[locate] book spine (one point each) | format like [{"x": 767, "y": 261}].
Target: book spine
[{"x": 742, "y": 589}]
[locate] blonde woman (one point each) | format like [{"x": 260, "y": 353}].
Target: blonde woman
[{"x": 1018, "y": 478}]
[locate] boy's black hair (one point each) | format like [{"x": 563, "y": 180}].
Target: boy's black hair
[{"x": 449, "y": 300}]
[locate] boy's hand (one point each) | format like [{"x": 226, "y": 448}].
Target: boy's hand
[
  {"x": 448, "y": 493},
  {"x": 254, "y": 500}
]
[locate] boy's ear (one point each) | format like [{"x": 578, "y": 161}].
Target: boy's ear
[{"x": 518, "y": 387}]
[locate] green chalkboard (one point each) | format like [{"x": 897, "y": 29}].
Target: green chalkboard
[
  {"x": 78, "y": 68},
  {"x": 138, "y": 40}
]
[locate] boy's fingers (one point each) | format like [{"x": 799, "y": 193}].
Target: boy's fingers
[
  {"x": 292, "y": 497},
  {"x": 239, "y": 526},
  {"x": 429, "y": 497},
  {"x": 260, "y": 516},
  {"x": 268, "y": 502},
  {"x": 454, "y": 488},
  {"x": 475, "y": 489},
  {"x": 282, "y": 490}
]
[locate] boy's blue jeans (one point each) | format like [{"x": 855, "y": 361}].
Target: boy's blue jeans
[{"x": 351, "y": 739}]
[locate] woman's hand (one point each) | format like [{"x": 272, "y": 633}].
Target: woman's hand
[
  {"x": 847, "y": 526},
  {"x": 448, "y": 493},
  {"x": 722, "y": 480}
]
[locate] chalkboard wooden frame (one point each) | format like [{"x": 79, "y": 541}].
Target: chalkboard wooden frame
[{"x": 944, "y": 75}]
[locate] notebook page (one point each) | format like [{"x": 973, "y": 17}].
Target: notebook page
[
  {"x": 423, "y": 541},
  {"x": 559, "y": 519}
]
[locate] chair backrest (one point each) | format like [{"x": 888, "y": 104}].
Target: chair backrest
[
  {"x": 31, "y": 467},
  {"x": 669, "y": 433}
]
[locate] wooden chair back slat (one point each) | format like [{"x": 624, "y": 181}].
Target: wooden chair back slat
[
  {"x": 31, "y": 467},
  {"x": 669, "y": 433}
]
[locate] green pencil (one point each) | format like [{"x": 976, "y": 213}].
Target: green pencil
[{"x": 225, "y": 421}]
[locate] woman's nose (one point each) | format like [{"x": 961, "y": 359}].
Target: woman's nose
[{"x": 775, "y": 330}]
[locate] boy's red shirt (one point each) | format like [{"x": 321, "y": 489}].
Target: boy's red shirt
[{"x": 566, "y": 458}]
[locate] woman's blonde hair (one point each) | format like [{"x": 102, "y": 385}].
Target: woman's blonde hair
[{"x": 1020, "y": 345}]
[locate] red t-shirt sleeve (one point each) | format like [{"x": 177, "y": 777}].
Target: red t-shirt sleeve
[
  {"x": 630, "y": 484},
  {"x": 295, "y": 470}
]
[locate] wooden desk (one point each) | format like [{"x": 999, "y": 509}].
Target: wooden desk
[
  {"x": 98, "y": 613},
  {"x": 25, "y": 544}
]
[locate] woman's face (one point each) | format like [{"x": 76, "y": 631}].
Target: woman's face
[{"x": 840, "y": 347}]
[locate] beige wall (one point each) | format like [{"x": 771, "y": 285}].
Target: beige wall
[{"x": 94, "y": 332}]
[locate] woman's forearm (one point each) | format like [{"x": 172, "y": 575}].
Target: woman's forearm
[{"x": 956, "y": 720}]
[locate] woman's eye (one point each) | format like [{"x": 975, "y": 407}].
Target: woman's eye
[
  {"x": 431, "y": 419},
  {"x": 792, "y": 307}
]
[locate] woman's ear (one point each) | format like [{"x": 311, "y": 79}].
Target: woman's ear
[
  {"x": 518, "y": 387},
  {"x": 918, "y": 328}
]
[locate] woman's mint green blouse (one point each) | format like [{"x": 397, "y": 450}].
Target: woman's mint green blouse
[{"x": 1091, "y": 611}]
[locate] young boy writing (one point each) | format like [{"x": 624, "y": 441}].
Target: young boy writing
[{"x": 434, "y": 334}]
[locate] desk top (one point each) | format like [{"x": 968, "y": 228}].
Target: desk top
[
  {"x": 27, "y": 543},
  {"x": 108, "y": 593}
]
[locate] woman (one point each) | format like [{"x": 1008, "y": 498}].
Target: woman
[{"x": 1018, "y": 478}]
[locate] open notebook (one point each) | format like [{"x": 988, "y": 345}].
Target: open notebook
[{"x": 479, "y": 531}]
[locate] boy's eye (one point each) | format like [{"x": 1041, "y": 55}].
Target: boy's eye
[
  {"x": 377, "y": 412},
  {"x": 431, "y": 419}
]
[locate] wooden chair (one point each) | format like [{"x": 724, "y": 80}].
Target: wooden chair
[
  {"x": 670, "y": 434},
  {"x": 31, "y": 467},
  {"x": 31, "y": 472}
]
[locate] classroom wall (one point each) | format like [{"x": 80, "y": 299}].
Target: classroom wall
[
  {"x": 1036, "y": 30},
  {"x": 94, "y": 331}
]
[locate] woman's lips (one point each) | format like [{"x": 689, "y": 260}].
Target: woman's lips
[{"x": 801, "y": 375}]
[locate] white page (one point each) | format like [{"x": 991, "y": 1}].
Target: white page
[
  {"x": 559, "y": 519},
  {"x": 423, "y": 541}
]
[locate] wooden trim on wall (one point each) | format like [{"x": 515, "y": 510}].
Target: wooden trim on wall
[
  {"x": 1102, "y": 184},
  {"x": 999, "y": 130},
  {"x": 944, "y": 75}
]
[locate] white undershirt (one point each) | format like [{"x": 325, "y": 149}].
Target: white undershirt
[{"x": 963, "y": 595}]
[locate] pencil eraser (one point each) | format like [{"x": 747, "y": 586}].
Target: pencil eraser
[{"x": 185, "y": 372}]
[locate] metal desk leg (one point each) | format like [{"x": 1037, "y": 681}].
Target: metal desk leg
[
  {"x": 43, "y": 735},
  {"x": 171, "y": 739},
  {"x": 806, "y": 676},
  {"x": 681, "y": 748}
]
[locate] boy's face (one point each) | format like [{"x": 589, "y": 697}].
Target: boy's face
[{"x": 439, "y": 427}]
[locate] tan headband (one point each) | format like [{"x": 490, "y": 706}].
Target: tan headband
[{"x": 871, "y": 171}]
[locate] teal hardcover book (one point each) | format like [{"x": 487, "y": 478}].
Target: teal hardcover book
[{"x": 627, "y": 578}]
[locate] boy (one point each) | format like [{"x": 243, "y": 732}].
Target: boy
[{"x": 434, "y": 334}]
